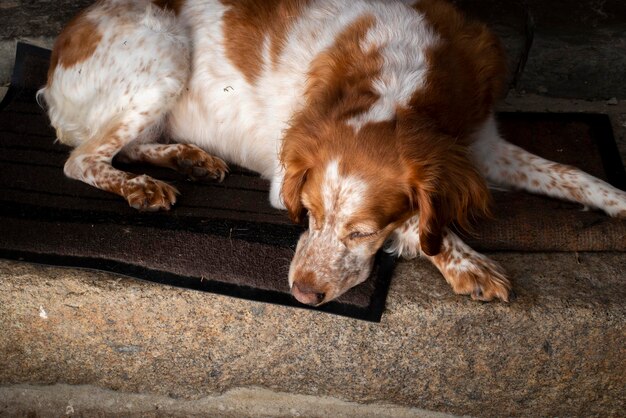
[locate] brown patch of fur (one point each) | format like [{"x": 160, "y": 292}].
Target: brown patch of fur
[
  {"x": 247, "y": 23},
  {"x": 76, "y": 43},
  {"x": 466, "y": 75},
  {"x": 339, "y": 87},
  {"x": 340, "y": 79},
  {"x": 467, "y": 72},
  {"x": 173, "y": 5},
  {"x": 446, "y": 185}
]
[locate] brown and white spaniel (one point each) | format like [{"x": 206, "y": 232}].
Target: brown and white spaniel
[{"x": 373, "y": 120}]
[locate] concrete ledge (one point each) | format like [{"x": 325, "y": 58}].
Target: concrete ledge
[
  {"x": 557, "y": 350},
  {"x": 88, "y": 401}
]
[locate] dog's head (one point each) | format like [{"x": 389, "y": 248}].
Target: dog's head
[{"x": 355, "y": 187}]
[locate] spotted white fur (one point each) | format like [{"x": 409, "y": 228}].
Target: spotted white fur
[
  {"x": 505, "y": 164},
  {"x": 402, "y": 46},
  {"x": 342, "y": 194},
  {"x": 83, "y": 101}
]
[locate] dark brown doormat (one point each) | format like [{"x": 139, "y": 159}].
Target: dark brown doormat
[{"x": 225, "y": 238}]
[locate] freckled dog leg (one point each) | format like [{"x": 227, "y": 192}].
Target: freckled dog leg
[
  {"x": 467, "y": 271},
  {"x": 116, "y": 71},
  {"x": 185, "y": 158},
  {"x": 91, "y": 163},
  {"x": 506, "y": 164}
]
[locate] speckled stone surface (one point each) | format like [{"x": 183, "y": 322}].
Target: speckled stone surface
[
  {"x": 558, "y": 350},
  {"x": 58, "y": 400}
]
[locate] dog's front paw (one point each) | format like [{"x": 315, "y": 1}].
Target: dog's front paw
[
  {"x": 479, "y": 277},
  {"x": 199, "y": 165},
  {"x": 147, "y": 194},
  {"x": 469, "y": 272}
]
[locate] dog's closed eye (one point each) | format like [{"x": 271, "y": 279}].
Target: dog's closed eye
[{"x": 356, "y": 235}]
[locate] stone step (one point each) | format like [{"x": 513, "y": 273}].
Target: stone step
[
  {"x": 88, "y": 401},
  {"x": 557, "y": 350}
]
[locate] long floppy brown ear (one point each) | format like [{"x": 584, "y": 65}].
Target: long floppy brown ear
[
  {"x": 295, "y": 159},
  {"x": 291, "y": 193},
  {"x": 448, "y": 189}
]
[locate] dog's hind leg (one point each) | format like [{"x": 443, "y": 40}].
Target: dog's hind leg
[
  {"x": 116, "y": 71},
  {"x": 91, "y": 163},
  {"x": 505, "y": 164}
]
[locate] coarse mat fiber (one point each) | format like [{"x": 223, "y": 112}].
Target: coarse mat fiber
[{"x": 225, "y": 237}]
